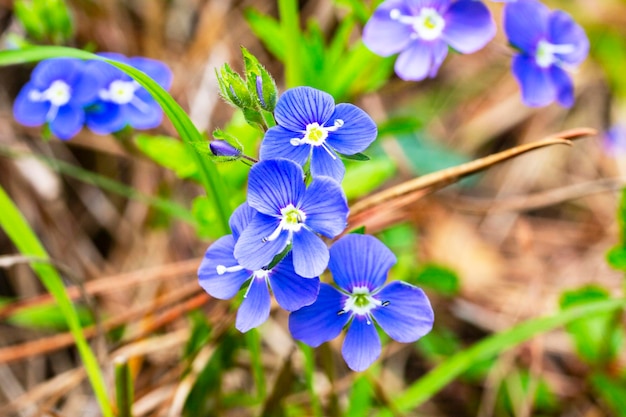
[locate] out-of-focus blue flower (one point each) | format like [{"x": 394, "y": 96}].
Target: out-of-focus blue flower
[
  {"x": 310, "y": 125},
  {"x": 359, "y": 264},
  {"x": 122, "y": 101},
  {"x": 422, "y": 30},
  {"x": 56, "y": 93},
  {"x": 550, "y": 44},
  {"x": 221, "y": 276},
  {"x": 615, "y": 140},
  {"x": 290, "y": 213}
]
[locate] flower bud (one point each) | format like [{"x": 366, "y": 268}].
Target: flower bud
[{"x": 222, "y": 148}]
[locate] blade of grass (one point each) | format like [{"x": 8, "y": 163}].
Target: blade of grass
[
  {"x": 190, "y": 135},
  {"x": 427, "y": 386},
  {"x": 123, "y": 387},
  {"x": 22, "y": 236}
]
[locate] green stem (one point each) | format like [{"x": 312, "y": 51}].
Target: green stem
[
  {"x": 290, "y": 25},
  {"x": 123, "y": 387}
]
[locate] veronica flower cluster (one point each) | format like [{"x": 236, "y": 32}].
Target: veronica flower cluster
[
  {"x": 277, "y": 246},
  {"x": 67, "y": 93},
  {"x": 549, "y": 43}
]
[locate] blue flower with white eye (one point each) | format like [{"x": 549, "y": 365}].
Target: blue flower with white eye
[
  {"x": 359, "y": 264},
  {"x": 422, "y": 30},
  {"x": 122, "y": 101},
  {"x": 221, "y": 276},
  {"x": 290, "y": 213},
  {"x": 311, "y": 127},
  {"x": 551, "y": 43},
  {"x": 56, "y": 93}
]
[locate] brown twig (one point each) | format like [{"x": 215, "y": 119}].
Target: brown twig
[{"x": 418, "y": 187}]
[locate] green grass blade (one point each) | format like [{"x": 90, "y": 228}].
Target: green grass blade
[
  {"x": 213, "y": 186},
  {"x": 427, "y": 386},
  {"x": 20, "y": 233}
]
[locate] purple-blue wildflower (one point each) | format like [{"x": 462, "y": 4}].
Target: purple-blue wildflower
[
  {"x": 359, "y": 264},
  {"x": 311, "y": 126},
  {"x": 422, "y": 30},
  {"x": 221, "y": 276},
  {"x": 56, "y": 93},
  {"x": 123, "y": 101},
  {"x": 290, "y": 213},
  {"x": 551, "y": 43}
]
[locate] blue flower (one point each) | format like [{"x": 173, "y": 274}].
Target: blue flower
[
  {"x": 311, "y": 126},
  {"x": 123, "y": 101},
  {"x": 550, "y": 44},
  {"x": 359, "y": 264},
  {"x": 421, "y": 30},
  {"x": 290, "y": 213},
  {"x": 56, "y": 93},
  {"x": 221, "y": 276}
]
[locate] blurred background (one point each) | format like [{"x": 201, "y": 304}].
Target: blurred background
[{"x": 126, "y": 225}]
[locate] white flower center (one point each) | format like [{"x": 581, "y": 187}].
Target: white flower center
[
  {"x": 427, "y": 25},
  {"x": 120, "y": 92},
  {"x": 291, "y": 219},
  {"x": 58, "y": 94},
  {"x": 315, "y": 135},
  {"x": 361, "y": 302},
  {"x": 546, "y": 54}
]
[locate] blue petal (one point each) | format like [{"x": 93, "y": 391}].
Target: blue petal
[
  {"x": 86, "y": 86},
  {"x": 157, "y": 70},
  {"x": 255, "y": 307},
  {"x": 439, "y": 52},
  {"x": 273, "y": 184},
  {"x": 68, "y": 122},
  {"x": 251, "y": 251},
  {"x": 469, "y": 26},
  {"x": 276, "y": 144},
  {"x": 300, "y": 106},
  {"x": 105, "y": 72},
  {"x": 310, "y": 254},
  {"x": 240, "y": 219},
  {"x": 362, "y": 344},
  {"x": 564, "y": 86},
  {"x": 526, "y": 23},
  {"x": 356, "y": 134},
  {"x": 143, "y": 114},
  {"x": 414, "y": 63},
  {"x": 323, "y": 164},
  {"x": 226, "y": 285},
  {"x": 50, "y": 70},
  {"x": 325, "y": 207},
  {"x": 28, "y": 112},
  {"x": 385, "y": 36},
  {"x": 104, "y": 117},
  {"x": 360, "y": 261},
  {"x": 565, "y": 31},
  {"x": 320, "y": 321},
  {"x": 292, "y": 291},
  {"x": 407, "y": 315},
  {"x": 535, "y": 82}
]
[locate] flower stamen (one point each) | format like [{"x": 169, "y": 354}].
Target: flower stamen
[
  {"x": 222, "y": 269},
  {"x": 546, "y": 54}
]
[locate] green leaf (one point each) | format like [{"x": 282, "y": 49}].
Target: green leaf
[
  {"x": 48, "y": 317},
  {"x": 355, "y": 157},
  {"x": 169, "y": 153},
  {"x": 360, "y": 179},
  {"x": 439, "y": 278},
  {"x": 597, "y": 339},
  {"x": 361, "y": 398},
  {"x": 616, "y": 257},
  {"x": 431, "y": 383},
  {"x": 269, "y": 31}
]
